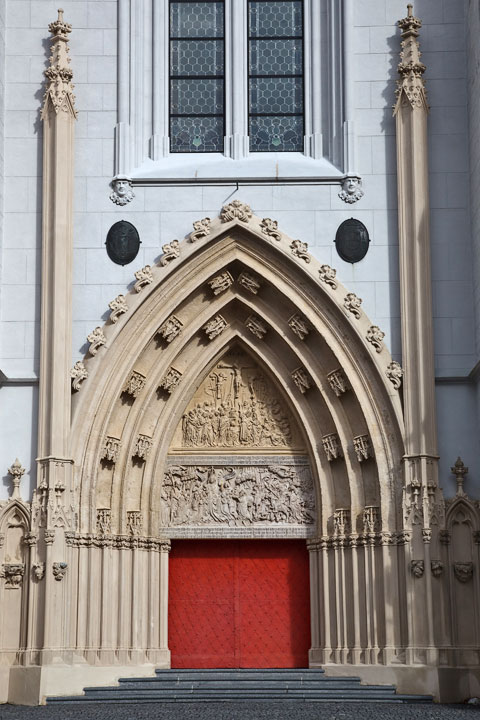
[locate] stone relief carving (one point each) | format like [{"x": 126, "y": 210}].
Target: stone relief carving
[
  {"x": 171, "y": 380},
  {"x": 437, "y": 568},
  {"x": 201, "y": 229},
  {"x": 30, "y": 539},
  {"x": 236, "y": 210},
  {"x": 371, "y": 519},
  {"x": 331, "y": 445},
  {"x": 362, "y": 447},
  {"x": 49, "y": 537},
  {"x": 256, "y": 326},
  {"x": 13, "y": 574},
  {"x": 104, "y": 521},
  {"x": 299, "y": 326},
  {"x": 16, "y": 472},
  {"x": 341, "y": 521},
  {"x": 171, "y": 251},
  {"x": 59, "y": 570},
  {"x": 463, "y": 571},
  {"x": 426, "y": 535},
  {"x": 119, "y": 542},
  {"x": 96, "y": 339},
  {"x": 78, "y": 374},
  {"x": 237, "y": 407},
  {"x": 118, "y": 307},
  {"x": 237, "y": 496},
  {"x": 170, "y": 329},
  {"x": 134, "y": 523},
  {"x": 111, "y": 449},
  {"x": 394, "y": 373},
  {"x": 352, "y": 304},
  {"x": 249, "y": 282},
  {"x": 327, "y": 275},
  {"x": 375, "y": 337},
  {"x": 221, "y": 282},
  {"x": 337, "y": 381},
  {"x": 144, "y": 278},
  {"x": 300, "y": 250},
  {"x": 143, "y": 445},
  {"x": 122, "y": 190},
  {"x": 301, "y": 380},
  {"x": 351, "y": 190},
  {"x": 417, "y": 567},
  {"x": 38, "y": 569},
  {"x": 215, "y": 327},
  {"x": 270, "y": 228},
  {"x": 135, "y": 384}
]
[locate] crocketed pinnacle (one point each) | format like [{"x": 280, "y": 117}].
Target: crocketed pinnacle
[
  {"x": 410, "y": 86},
  {"x": 59, "y": 90}
]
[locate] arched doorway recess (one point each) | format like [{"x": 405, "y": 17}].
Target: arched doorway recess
[{"x": 238, "y": 285}]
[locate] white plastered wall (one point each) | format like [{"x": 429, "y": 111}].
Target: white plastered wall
[{"x": 311, "y": 213}]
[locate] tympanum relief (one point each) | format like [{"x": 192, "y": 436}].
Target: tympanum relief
[{"x": 237, "y": 409}]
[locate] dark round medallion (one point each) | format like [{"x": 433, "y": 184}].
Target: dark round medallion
[
  {"x": 352, "y": 240},
  {"x": 123, "y": 242}
]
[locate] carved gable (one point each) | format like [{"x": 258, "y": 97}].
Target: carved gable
[{"x": 237, "y": 409}]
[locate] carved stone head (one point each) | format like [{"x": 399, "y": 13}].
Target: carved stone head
[
  {"x": 351, "y": 190},
  {"x": 418, "y": 568},
  {"x": 122, "y": 191}
]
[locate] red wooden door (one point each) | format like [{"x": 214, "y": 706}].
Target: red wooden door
[{"x": 239, "y": 603}]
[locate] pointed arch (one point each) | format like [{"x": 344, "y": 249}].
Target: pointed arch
[{"x": 120, "y": 400}]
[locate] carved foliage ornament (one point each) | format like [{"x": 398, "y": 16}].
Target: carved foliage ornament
[
  {"x": 13, "y": 574},
  {"x": 394, "y": 373},
  {"x": 221, "y": 283},
  {"x": 78, "y": 374},
  {"x": 96, "y": 340},
  {"x": 375, "y": 337},
  {"x": 327, "y": 275},
  {"x": 352, "y": 303},
  {"x": 300, "y": 250},
  {"x": 144, "y": 277},
  {"x": 270, "y": 228},
  {"x": 59, "y": 570},
  {"x": 201, "y": 229},
  {"x": 118, "y": 307},
  {"x": 411, "y": 86},
  {"x": 236, "y": 210},
  {"x": 171, "y": 251}
]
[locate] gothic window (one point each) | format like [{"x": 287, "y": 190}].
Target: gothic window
[
  {"x": 197, "y": 66},
  {"x": 275, "y": 60}
]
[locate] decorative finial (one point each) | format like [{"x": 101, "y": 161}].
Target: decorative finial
[
  {"x": 16, "y": 471},
  {"x": 460, "y": 470},
  {"x": 410, "y": 86},
  {"x": 59, "y": 91}
]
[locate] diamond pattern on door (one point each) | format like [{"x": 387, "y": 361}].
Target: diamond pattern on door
[{"x": 239, "y": 603}]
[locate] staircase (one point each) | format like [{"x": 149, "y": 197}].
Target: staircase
[{"x": 240, "y": 685}]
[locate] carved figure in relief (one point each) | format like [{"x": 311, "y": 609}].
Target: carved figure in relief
[
  {"x": 236, "y": 407},
  {"x": 122, "y": 190},
  {"x": 215, "y": 327},
  {"x": 237, "y": 496},
  {"x": 170, "y": 328},
  {"x": 221, "y": 282}
]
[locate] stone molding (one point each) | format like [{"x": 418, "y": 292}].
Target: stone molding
[{"x": 117, "y": 542}]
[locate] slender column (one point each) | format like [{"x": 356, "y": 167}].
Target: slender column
[
  {"x": 122, "y": 129},
  {"x": 313, "y": 80},
  {"x": 164, "y": 552},
  {"x": 348, "y": 75},
  {"x": 160, "y": 141},
  {"x": 236, "y": 80},
  {"x": 421, "y": 460},
  {"x": 54, "y": 466},
  {"x": 313, "y": 547}
]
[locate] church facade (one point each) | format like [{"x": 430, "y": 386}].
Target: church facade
[{"x": 240, "y": 335}]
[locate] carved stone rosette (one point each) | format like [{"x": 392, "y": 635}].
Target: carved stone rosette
[
  {"x": 270, "y": 228},
  {"x": 249, "y": 282},
  {"x": 170, "y": 329},
  {"x": 221, "y": 283},
  {"x": 201, "y": 229},
  {"x": 331, "y": 445},
  {"x": 362, "y": 447},
  {"x": 301, "y": 380},
  {"x": 215, "y": 327},
  {"x": 352, "y": 304},
  {"x": 171, "y": 380},
  {"x": 118, "y": 306},
  {"x": 144, "y": 277},
  {"x": 78, "y": 373},
  {"x": 143, "y": 445},
  {"x": 236, "y": 210},
  {"x": 327, "y": 275},
  {"x": 111, "y": 449},
  {"x": 300, "y": 250},
  {"x": 337, "y": 381},
  {"x": 135, "y": 384},
  {"x": 299, "y": 326},
  {"x": 171, "y": 251},
  {"x": 256, "y": 326},
  {"x": 375, "y": 337},
  {"x": 96, "y": 339}
]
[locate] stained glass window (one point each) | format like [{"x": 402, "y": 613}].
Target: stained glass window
[
  {"x": 275, "y": 75},
  {"x": 197, "y": 68}
]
